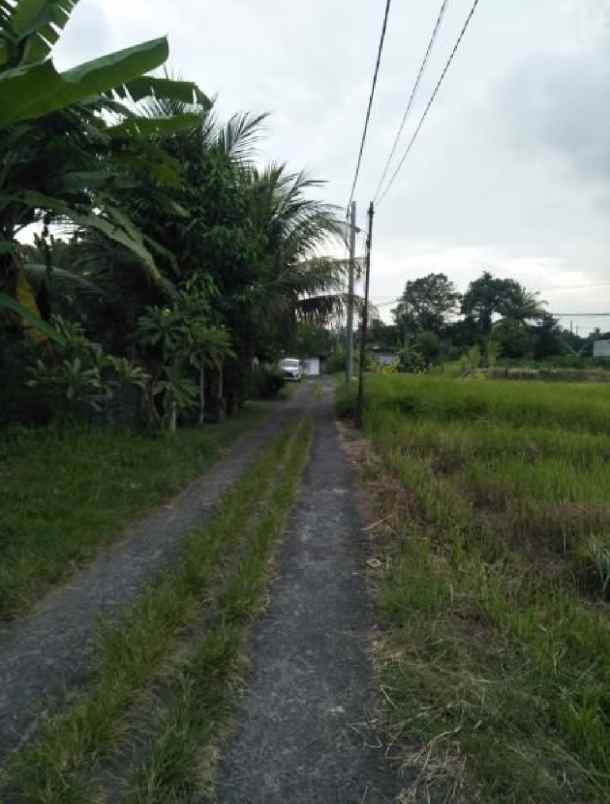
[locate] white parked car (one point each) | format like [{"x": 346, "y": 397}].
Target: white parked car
[{"x": 291, "y": 368}]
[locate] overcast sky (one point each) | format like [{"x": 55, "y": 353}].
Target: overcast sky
[{"x": 512, "y": 168}]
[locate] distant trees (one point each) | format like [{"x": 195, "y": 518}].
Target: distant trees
[
  {"x": 498, "y": 315},
  {"x": 426, "y": 305}
]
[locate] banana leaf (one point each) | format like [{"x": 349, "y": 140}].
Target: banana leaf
[
  {"x": 146, "y": 86},
  {"x": 7, "y": 303},
  {"x": 113, "y": 223},
  {"x": 40, "y": 23},
  {"x": 147, "y": 126},
  {"x": 37, "y": 274},
  {"x": 32, "y": 91}
]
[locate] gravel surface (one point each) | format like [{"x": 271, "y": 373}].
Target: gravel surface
[
  {"x": 48, "y": 653},
  {"x": 306, "y": 728}
]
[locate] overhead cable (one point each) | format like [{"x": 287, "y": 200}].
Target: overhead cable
[
  {"x": 420, "y": 74},
  {"x": 431, "y": 101}
]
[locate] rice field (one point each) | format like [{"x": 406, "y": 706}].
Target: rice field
[{"x": 495, "y": 503}]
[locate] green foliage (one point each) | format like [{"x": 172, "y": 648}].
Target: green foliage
[
  {"x": 428, "y": 345},
  {"x": 410, "y": 361},
  {"x": 32, "y": 91},
  {"x": 266, "y": 382},
  {"x": 311, "y": 339},
  {"x": 384, "y": 336},
  {"x": 219, "y": 581},
  {"x": 489, "y": 295},
  {"x": 32, "y": 319},
  {"x": 336, "y": 362},
  {"x": 426, "y": 304},
  {"x": 66, "y": 494},
  {"x": 31, "y": 87},
  {"x": 493, "y": 595},
  {"x": 78, "y": 373},
  {"x": 492, "y": 350},
  {"x": 181, "y": 244},
  {"x": 472, "y": 358}
]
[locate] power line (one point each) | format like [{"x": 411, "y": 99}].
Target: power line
[
  {"x": 420, "y": 74},
  {"x": 372, "y": 95},
  {"x": 431, "y": 101},
  {"x": 580, "y": 315}
]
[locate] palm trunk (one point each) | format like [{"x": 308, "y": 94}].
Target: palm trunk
[
  {"x": 220, "y": 397},
  {"x": 173, "y": 417}
]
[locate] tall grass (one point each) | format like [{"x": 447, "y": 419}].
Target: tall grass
[{"x": 497, "y": 649}]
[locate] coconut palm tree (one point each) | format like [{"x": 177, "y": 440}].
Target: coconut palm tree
[{"x": 521, "y": 305}]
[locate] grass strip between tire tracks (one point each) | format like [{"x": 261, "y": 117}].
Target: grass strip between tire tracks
[
  {"x": 177, "y": 768},
  {"x": 72, "y": 743}
]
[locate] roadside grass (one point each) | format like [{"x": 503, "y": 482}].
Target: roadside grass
[
  {"x": 63, "y": 497},
  {"x": 495, "y": 548},
  {"x": 180, "y": 763},
  {"x": 218, "y": 582}
]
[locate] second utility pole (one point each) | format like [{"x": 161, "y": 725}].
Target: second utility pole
[
  {"x": 365, "y": 317},
  {"x": 349, "y": 367}
]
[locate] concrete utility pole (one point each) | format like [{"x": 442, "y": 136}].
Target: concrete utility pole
[
  {"x": 349, "y": 365},
  {"x": 365, "y": 317}
]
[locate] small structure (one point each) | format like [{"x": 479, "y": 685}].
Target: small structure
[
  {"x": 311, "y": 366},
  {"x": 601, "y": 349},
  {"x": 384, "y": 358}
]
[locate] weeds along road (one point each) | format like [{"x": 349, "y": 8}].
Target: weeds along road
[
  {"x": 45, "y": 654},
  {"x": 306, "y": 727}
]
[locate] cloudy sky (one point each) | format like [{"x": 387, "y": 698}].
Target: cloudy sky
[{"x": 512, "y": 168}]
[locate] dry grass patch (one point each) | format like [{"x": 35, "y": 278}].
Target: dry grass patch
[{"x": 494, "y": 654}]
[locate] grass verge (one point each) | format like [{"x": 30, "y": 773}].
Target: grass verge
[
  {"x": 179, "y": 764},
  {"x": 220, "y": 578},
  {"x": 64, "y": 497},
  {"x": 495, "y": 657}
]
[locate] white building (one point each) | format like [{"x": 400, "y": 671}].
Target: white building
[
  {"x": 601, "y": 348},
  {"x": 311, "y": 366}
]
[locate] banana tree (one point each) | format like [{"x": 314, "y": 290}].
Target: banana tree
[{"x": 52, "y": 132}]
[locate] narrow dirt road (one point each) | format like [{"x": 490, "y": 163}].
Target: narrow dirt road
[
  {"x": 306, "y": 730},
  {"x": 306, "y": 727},
  {"x": 46, "y": 654}
]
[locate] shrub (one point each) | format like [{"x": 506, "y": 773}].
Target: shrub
[
  {"x": 266, "y": 382},
  {"x": 336, "y": 362},
  {"x": 410, "y": 361}
]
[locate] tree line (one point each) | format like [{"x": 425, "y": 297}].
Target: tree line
[
  {"x": 499, "y": 317},
  {"x": 165, "y": 257}
]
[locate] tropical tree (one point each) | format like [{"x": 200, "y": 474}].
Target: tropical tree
[
  {"x": 490, "y": 296},
  {"x": 55, "y": 144},
  {"x": 521, "y": 305},
  {"x": 425, "y": 305}
]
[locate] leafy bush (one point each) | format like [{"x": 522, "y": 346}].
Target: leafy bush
[
  {"x": 428, "y": 345},
  {"x": 79, "y": 375},
  {"x": 410, "y": 361},
  {"x": 336, "y": 362},
  {"x": 266, "y": 382}
]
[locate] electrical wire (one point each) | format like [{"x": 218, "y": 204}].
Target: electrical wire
[
  {"x": 371, "y": 97},
  {"x": 430, "y": 102},
  {"x": 420, "y": 74}
]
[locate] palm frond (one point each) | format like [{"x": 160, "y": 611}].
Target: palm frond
[{"x": 239, "y": 136}]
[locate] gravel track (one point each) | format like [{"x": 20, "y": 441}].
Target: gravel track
[
  {"x": 47, "y": 654},
  {"x": 307, "y": 728}
]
